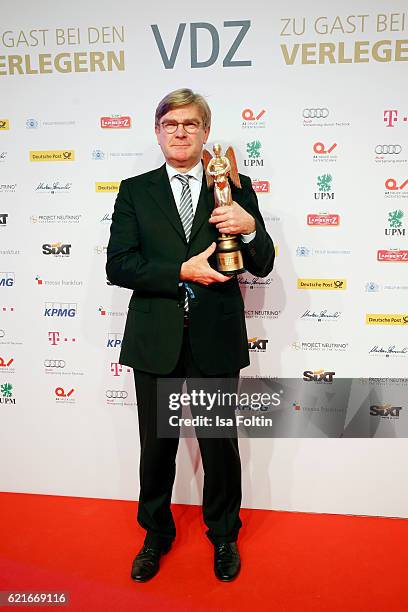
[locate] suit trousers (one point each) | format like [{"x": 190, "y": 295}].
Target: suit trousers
[{"x": 220, "y": 458}]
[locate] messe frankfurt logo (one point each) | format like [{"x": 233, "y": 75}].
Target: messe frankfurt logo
[{"x": 116, "y": 122}]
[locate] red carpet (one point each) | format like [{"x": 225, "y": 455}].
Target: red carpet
[{"x": 291, "y": 561}]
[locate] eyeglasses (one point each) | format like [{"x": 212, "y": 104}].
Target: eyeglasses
[{"x": 170, "y": 127}]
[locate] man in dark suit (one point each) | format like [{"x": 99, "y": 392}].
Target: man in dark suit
[{"x": 185, "y": 319}]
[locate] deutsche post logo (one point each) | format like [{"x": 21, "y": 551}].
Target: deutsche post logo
[{"x": 54, "y": 156}]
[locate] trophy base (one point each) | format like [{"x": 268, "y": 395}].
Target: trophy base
[{"x": 229, "y": 258}]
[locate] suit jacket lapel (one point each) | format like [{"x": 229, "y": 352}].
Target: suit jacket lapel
[
  {"x": 204, "y": 208},
  {"x": 162, "y": 194}
]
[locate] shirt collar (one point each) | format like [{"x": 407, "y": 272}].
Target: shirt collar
[{"x": 196, "y": 172}]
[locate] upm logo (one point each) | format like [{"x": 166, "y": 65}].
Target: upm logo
[
  {"x": 209, "y": 53},
  {"x": 261, "y": 186},
  {"x": 323, "y": 220},
  {"x": 6, "y": 279},
  {"x": 320, "y": 149},
  {"x": 60, "y": 309},
  {"x": 318, "y": 376},
  {"x": 392, "y": 255},
  {"x": 392, "y": 185},
  {"x": 116, "y": 122}
]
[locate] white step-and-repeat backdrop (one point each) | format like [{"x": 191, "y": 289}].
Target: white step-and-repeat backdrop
[{"x": 314, "y": 100}]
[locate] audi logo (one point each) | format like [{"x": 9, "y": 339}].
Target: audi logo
[
  {"x": 116, "y": 394},
  {"x": 315, "y": 113},
  {"x": 54, "y": 363},
  {"x": 388, "y": 149}
]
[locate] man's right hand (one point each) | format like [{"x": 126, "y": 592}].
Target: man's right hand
[{"x": 198, "y": 270}]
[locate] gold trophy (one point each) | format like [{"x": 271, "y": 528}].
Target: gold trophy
[{"x": 217, "y": 170}]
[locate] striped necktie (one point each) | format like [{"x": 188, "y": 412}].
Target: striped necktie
[
  {"x": 186, "y": 213},
  {"x": 186, "y": 204}
]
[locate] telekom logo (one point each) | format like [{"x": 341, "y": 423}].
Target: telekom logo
[
  {"x": 391, "y": 118},
  {"x": 117, "y": 368}
]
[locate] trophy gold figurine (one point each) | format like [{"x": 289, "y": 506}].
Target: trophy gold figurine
[{"x": 217, "y": 170}]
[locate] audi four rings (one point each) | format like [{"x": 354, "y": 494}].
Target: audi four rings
[
  {"x": 395, "y": 149},
  {"x": 315, "y": 113},
  {"x": 54, "y": 363},
  {"x": 116, "y": 394}
]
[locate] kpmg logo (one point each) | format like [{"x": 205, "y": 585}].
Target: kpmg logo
[
  {"x": 53, "y": 187},
  {"x": 3, "y": 219},
  {"x": 206, "y": 55},
  {"x": 7, "y": 279},
  {"x": 393, "y": 116},
  {"x": 254, "y": 154},
  {"x": 58, "y": 249},
  {"x": 114, "y": 340},
  {"x": 60, "y": 309}
]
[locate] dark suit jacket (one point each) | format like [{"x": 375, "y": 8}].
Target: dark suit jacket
[{"x": 146, "y": 249}]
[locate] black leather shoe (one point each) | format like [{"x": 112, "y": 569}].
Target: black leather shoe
[
  {"x": 226, "y": 561},
  {"x": 147, "y": 563}
]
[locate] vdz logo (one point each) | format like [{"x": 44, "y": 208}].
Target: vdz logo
[
  {"x": 254, "y": 154},
  {"x": 114, "y": 340},
  {"x": 207, "y": 55},
  {"x": 60, "y": 309},
  {"x": 257, "y": 344},
  {"x": 3, "y": 219},
  {"x": 385, "y": 411},
  {"x": 57, "y": 248},
  {"x": 395, "y": 222},
  {"x": 6, "y": 279},
  {"x": 324, "y": 184},
  {"x": 319, "y": 376}
]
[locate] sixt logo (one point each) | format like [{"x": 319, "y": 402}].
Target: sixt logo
[
  {"x": 257, "y": 344},
  {"x": 56, "y": 248},
  {"x": 385, "y": 411},
  {"x": 319, "y": 376},
  {"x": 60, "y": 309}
]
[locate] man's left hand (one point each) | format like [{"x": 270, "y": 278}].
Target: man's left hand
[{"x": 232, "y": 220}]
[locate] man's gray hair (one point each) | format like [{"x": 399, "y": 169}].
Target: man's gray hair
[{"x": 182, "y": 97}]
